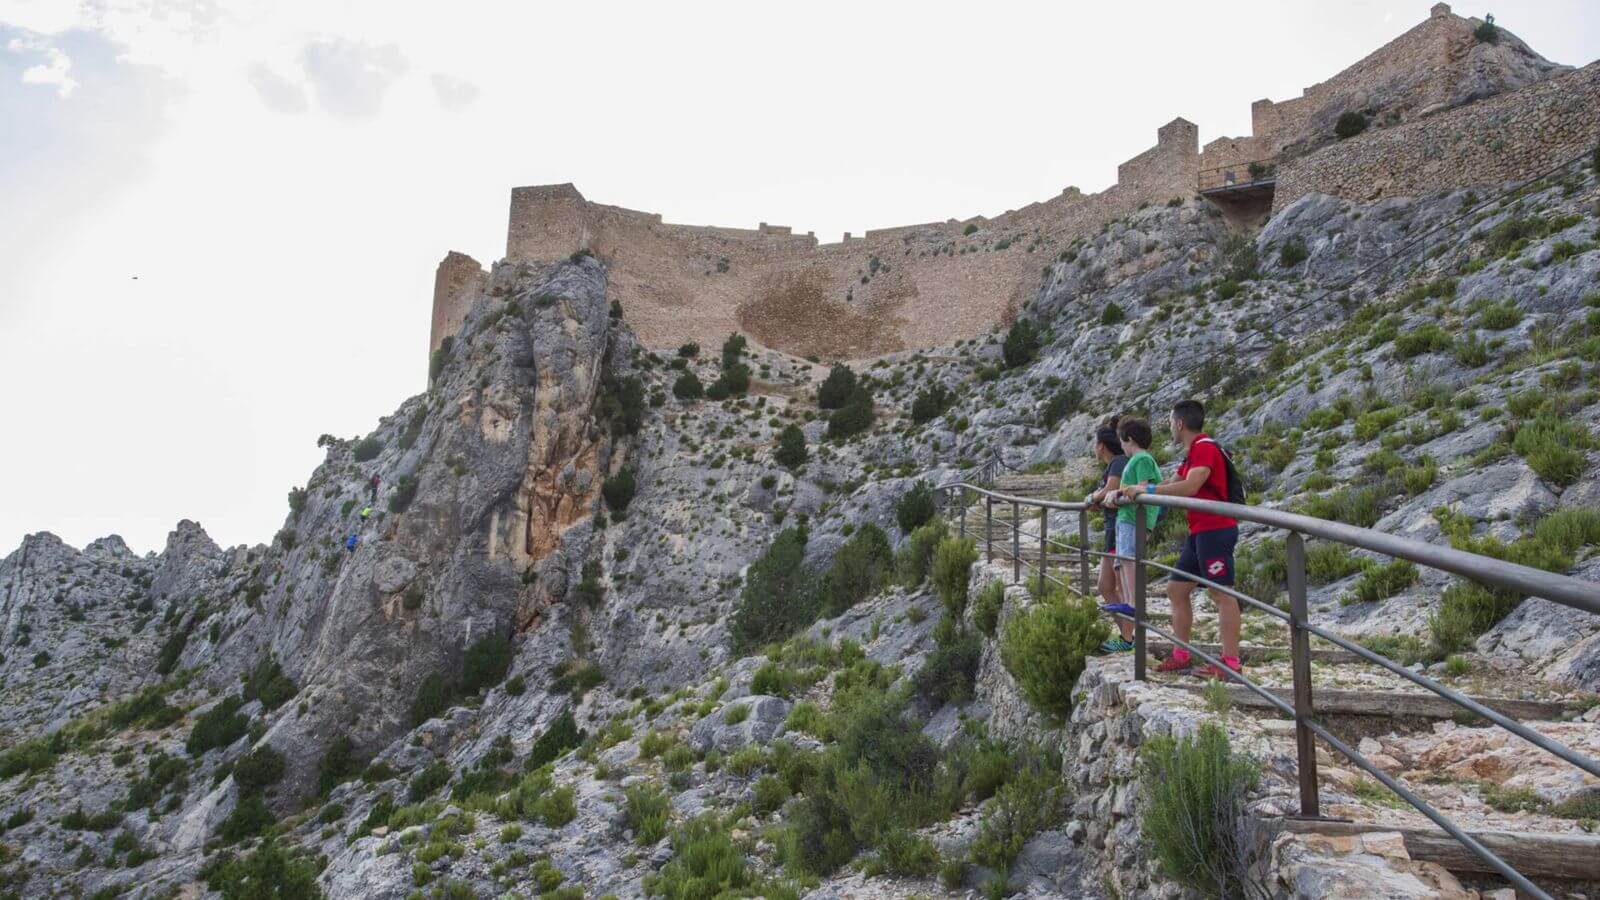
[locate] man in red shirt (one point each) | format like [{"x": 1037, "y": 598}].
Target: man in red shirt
[{"x": 1208, "y": 552}]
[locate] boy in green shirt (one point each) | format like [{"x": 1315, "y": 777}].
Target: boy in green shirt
[{"x": 1140, "y": 471}]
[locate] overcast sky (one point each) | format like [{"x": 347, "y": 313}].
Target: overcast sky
[{"x": 219, "y": 220}]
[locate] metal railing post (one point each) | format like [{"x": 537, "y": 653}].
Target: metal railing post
[
  {"x": 988, "y": 529},
  {"x": 964, "y": 504},
  {"x": 1016, "y": 542},
  {"x": 1140, "y": 585},
  {"x": 1300, "y": 655},
  {"x": 1083, "y": 551},
  {"x": 1044, "y": 526}
]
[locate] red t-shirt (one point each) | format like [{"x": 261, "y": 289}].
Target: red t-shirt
[{"x": 1205, "y": 452}]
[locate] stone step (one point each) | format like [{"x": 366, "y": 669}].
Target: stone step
[
  {"x": 1396, "y": 704},
  {"x": 1534, "y": 854}
]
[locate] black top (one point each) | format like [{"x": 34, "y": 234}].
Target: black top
[{"x": 1113, "y": 470}]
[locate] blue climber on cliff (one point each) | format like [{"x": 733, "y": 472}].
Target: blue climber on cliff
[{"x": 351, "y": 542}]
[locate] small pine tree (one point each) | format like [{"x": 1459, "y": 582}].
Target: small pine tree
[
  {"x": 836, "y": 389},
  {"x": 1021, "y": 344},
  {"x": 915, "y": 507},
  {"x": 688, "y": 387},
  {"x": 1349, "y": 125},
  {"x": 791, "y": 452}
]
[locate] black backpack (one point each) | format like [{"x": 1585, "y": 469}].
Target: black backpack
[{"x": 1236, "y": 487}]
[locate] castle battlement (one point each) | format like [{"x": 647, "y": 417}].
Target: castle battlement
[{"x": 919, "y": 285}]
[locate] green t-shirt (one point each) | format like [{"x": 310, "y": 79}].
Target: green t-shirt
[{"x": 1141, "y": 467}]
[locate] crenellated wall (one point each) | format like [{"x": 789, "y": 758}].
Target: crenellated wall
[
  {"x": 456, "y": 283},
  {"x": 893, "y": 288}
]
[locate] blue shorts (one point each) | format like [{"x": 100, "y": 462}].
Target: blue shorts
[
  {"x": 1208, "y": 555},
  {"x": 1125, "y": 538}
]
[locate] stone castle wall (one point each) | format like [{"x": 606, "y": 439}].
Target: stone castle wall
[
  {"x": 894, "y": 288},
  {"x": 1513, "y": 136},
  {"x": 456, "y": 283},
  {"x": 923, "y": 285}
]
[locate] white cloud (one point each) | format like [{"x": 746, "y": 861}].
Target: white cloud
[
  {"x": 454, "y": 93},
  {"x": 351, "y": 77},
  {"x": 278, "y": 93},
  {"x": 54, "y": 70}
]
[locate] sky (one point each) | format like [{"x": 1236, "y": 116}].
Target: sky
[{"x": 219, "y": 219}]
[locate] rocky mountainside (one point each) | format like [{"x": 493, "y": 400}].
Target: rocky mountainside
[{"x": 619, "y": 624}]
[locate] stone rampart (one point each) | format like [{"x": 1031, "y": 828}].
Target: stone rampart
[
  {"x": 456, "y": 283},
  {"x": 1512, "y": 136}
]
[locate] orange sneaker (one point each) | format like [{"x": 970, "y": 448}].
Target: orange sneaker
[
  {"x": 1214, "y": 673},
  {"x": 1173, "y": 664}
]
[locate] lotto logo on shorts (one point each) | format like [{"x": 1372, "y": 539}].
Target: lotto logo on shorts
[{"x": 1217, "y": 567}]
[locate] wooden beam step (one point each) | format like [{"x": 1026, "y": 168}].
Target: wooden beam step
[
  {"x": 1534, "y": 854},
  {"x": 1396, "y": 704}
]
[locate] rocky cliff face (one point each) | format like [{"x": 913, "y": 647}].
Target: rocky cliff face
[{"x": 496, "y": 580}]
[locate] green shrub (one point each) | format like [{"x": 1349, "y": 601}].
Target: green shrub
[
  {"x": 952, "y": 567},
  {"x": 268, "y": 684},
  {"x": 1374, "y": 422},
  {"x": 854, "y": 417},
  {"x": 404, "y": 492},
  {"x": 859, "y": 569},
  {"x": 556, "y": 807},
  {"x": 900, "y": 852},
  {"x": 1466, "y": 610},
  {"x": 648, "y": 811},
  {"x": 986, "y": 608},
  {"x": 915, "y": 508},
  {"x": 836, "y": 389},
  {"x": 806, "y": 718},
  {"x": 219, "y": 726},
  {"x": 146, "y": 709},
  {"x": 771, "y": 680},
  {"x": 1292, "y": 253},
  {"x": 433, "y": 696},
  {"x": 930, "y": 403},
  {"x": 258, "y": 770},
  {"x": 1021, "y": 344},
  {"x": 779, "y": 595},
  {"x": 1426, "y": 338},
  {"x": 916, "y": 555},
  {"x": 429, "y": 780},
  {"x": 1328, "y": 562},
  {"x": 1112, "y": 314},
  {"x": 705, "y": 863},
  {"x": 1063, "y": 403},
  {"x": 1195, "y": 820},
  {"x": 1355, "y": 506},
  {"x": 1553, "y": 447},
  {"x": 1380, "y": 581},
  {"x": 367, "y": 449},
  {"x": 1349, "y": 125},
  {"x": 561, "y": 735},
  {"x": 1025, "y": 805},
  {"x": 338, "y": 765},
  {"x": 1045, "y": 646},
  {"x": 249, "y": 818},
  {"x": 1499, "y": 316},
  {"x": 485, "y": 663},
  {"x": 688, "y": 387},
  {"x": 791, "y": 451},
  {"x": 171, "y": 649},
  {"x": 1487, "y": 33},
  {"x": 771, "y": 792},
  {"x": 948, "y": 673},
  {"x": 269, "y": 871},
  {"x": 618, "y": 490}
]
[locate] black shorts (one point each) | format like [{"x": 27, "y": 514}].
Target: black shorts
[{"x": 1208, "y": 555}]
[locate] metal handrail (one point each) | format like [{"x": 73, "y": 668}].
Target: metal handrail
[
  {"x": 1217, "y": 176},
  {"x": 1520, "y": 579}
]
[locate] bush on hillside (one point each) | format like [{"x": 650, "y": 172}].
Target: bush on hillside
[
  {"x": 561, "y": 736},
  {"x": 485, "y": 663},
  {"x": 860, "y": 568},
  {"x": 1112, "y": 314},
  {"x": 733, "y": 350},
  {"x": 368, "y": 449},
  {"x": 258, "y": 770},
  {"x": 1195, "y": 820},
  {"x": 836, "y": 389},
  {"x": 433, "y": 695},
  {"x": 219, "y": 726},
  {"x": 930, "y": 403},
  {"x": 618, "y": 490},
  {"x": 1045, "y": 646},
  {"x": 268, "y": 684},
  {"x": 688, "y": 387},
  {"x": 689, "y": 350},
  {"x": 404, "y": 492},
  {"x": 791, "y": 452},
  {"x": 1487, "y": 33},
  {"x": 854, "y": 417},
  {"x": 1063, "y": 403},
  {"x": 779, "y": 594},
  {"x": 338, "y": 765},
  {"x": 269, "y": 871},
  {"x": 1292, "y": 253},
  {"x": 986, "y": 608},
  {"x": 1553, "y": 447},
  {"x": 915, "y": 508},
  {"x": 1021, "y": 344},
  {"x": 1349, "y": 125},
  {"x": 916, "y": 555},
  {"x": 947, "y": 675},
  {"x": 952, "y": 567}
]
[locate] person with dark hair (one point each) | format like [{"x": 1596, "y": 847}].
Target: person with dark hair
[
  {"x": 374, "y": 485},
  {"x": 1208, "y": 551},
  {"x": 1140, "y": 471},
  {"x": 1108, "y": 450}
]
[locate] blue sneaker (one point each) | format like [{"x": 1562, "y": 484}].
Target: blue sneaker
[{"x": 1116, "y": 645}]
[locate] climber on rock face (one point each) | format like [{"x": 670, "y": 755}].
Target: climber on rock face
[
  {"x": 351, "y": 542},
  {"x": 366, "y": 512},
  {"x": 374, "y": 483}
]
